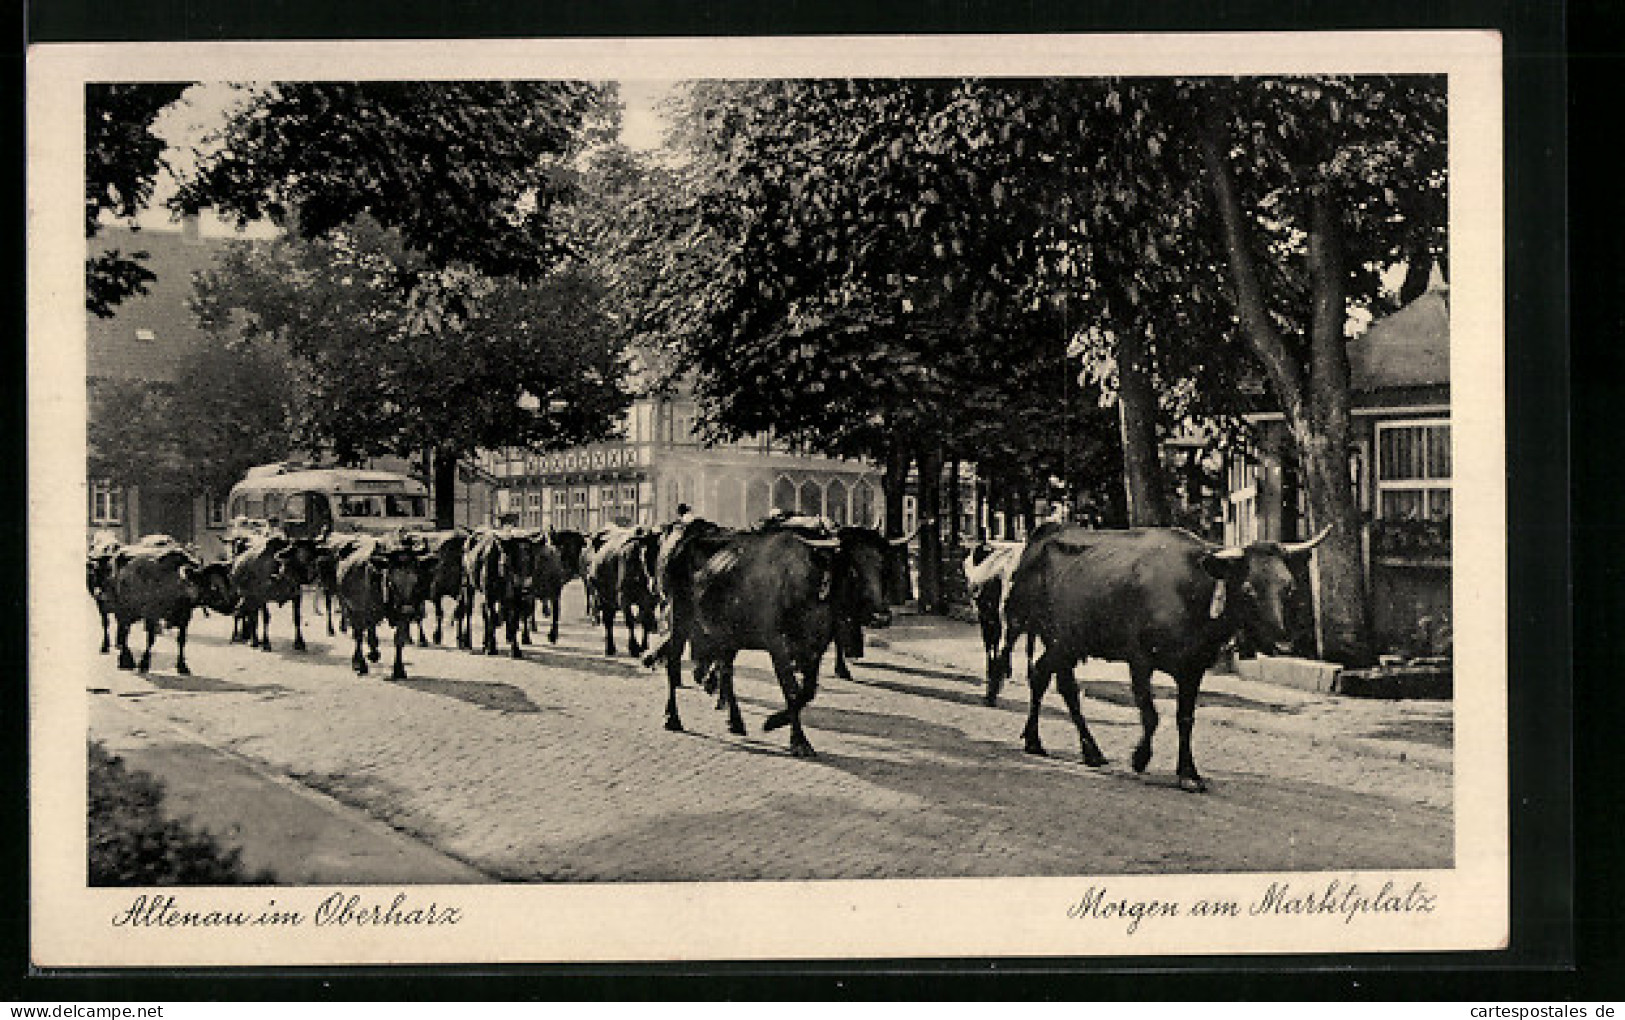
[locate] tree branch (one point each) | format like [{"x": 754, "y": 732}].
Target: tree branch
[{"x": 1271, "y": 347}]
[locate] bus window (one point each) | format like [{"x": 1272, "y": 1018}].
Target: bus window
[
  {"x": 294, "y": 509},
  {"x": 403, "y": 506},
  {"x": 254, "y": 509},
  {"x": 273, "y": 505},
  {"x": 356, "y": 506},
  {"x": 236, "y": 510}
]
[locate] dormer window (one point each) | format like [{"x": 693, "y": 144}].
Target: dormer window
[{"x": 145, "y": 335}]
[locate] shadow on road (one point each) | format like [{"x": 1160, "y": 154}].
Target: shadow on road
[
  {"x": 488, "y": 694},
  {"x": 199, "y": 684}
]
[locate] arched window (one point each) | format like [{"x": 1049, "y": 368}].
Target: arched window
[
  {"x": 835, "y": 502},
  {"x": 863, "y": 505},
  {"x": 812, "y": 498},
  {"x": 784, "y": 495}
]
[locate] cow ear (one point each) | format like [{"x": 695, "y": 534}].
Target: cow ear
[{"x": 1226, "y": 564}]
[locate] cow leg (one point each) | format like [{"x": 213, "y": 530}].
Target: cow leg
[
  {"x": 553, "y": 626},
  {"x": 990, "y": 645},
  {"x": 608, "y": 614},
  {"x": 298, "y": 626},
  {"x": 125, "y": 659},
  {"x": 440, "y": 620},
  {"x": 1067, "y": 684},
  {"x": 105, "y": 644},
  {"x": 673, "y": 653},
  {"x": 327, "y": 602},
  {"x": 1140, "y": 681},
  {"x": 357, "y": 661},
  {"x": 1190, "y": 685},
  {"x": 516, "y": 625},
  {"x": 146, "y": 654},
  {"x": 841, "y": 672},
  {"x": 403, "y": 637},
  {"x": 633, "y": 646},
  {"x": 373, "y": 654},
  {"x": 725, "y": 684},
  {"x": 1037, "y": 683},
  {"x": 784, "y": 666},
  {"x": 492, "y": 618},
  {"x": 180, "y": 648},
  {"x": 265, "y": 628}
]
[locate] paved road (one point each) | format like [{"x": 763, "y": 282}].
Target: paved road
[{"x": 557, "y": 768}]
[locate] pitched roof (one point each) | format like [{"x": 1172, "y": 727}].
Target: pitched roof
[
  {"x": 1409, "y": 348},
  {"x": 151, "y": 336}
]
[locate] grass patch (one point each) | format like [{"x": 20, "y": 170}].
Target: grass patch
[{"x": 132, "y": 842}]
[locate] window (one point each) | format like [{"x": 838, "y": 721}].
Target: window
[
  {"x": 535, "y": 501},
  {"x": 1413, "y": 471},
  {"x": 405, "y": 506},
  {"x": 580, "y": 498},
  {"x": 629, "y": 494},
  {"x": 215, "y": 511},
  {"x": 106, "y": 504}
]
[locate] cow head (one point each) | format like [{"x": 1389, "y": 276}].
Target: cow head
[
  {"x": 210, "y": 587},
  {"x": 403, "y": 574},
  {"x": 862, "y": 568},
  {"x": 298, "y": 561},
  {"x": 518, "y": 561},
  {"x": 1257, "y": 584},
  {"x": 569, "y": 544}
]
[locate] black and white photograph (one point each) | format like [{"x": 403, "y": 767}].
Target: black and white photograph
[{"x": 765, "y": 499}]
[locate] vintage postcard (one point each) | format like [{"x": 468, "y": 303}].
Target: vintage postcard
[{"x": 630, "y": 500}]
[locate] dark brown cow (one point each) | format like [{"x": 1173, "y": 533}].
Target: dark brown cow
[
  {"x": 1155, "y": 598},
  {"x": 496, "y": 568},
  {"x": 272, "y": 569},
  {"x": 447, "y": 548},
  {"x": 622, "y": 578},
  {"x": 383, "y": 581},
  {"x": 99, "y": 577},
  {"x": 775, "y": 590},
  {"x": 548, "y": 575},
  {"x": 158, "y": 581}
]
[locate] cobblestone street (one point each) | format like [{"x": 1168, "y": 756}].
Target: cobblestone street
[{"x": 556, "y": 768}]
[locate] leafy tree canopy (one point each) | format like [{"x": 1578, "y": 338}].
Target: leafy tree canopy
[
  {"x": 460, "y": 361},
  {"x": 122, "y": 161},
  {"x": 468, "y": 172}
]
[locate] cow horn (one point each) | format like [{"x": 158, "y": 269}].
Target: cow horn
[
  {"x": 819, "y": 543},
  {"x": 906, "y": 539},
  {"x": 1303, "y": 548}
]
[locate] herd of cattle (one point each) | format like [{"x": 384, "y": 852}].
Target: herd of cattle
[{"x": 1157, "y": 599}]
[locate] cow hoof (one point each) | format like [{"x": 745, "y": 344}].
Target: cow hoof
[
  {"x": 374, "y": 655},
  {"x": 399, "y": 674},
  {"x": 144, "y": 665},
  {"x": 126, "y": 660},
  {"x": 1095, "y": 760},
  {"x": 674, "y": 724},
  {"x": 1142, "y": 758},
  {"x": 736, "y": 727},
  {"x": 182, "y": 669},
  {"x": 423, "y": 643},
  {"x": 516, "y": 653},
  {"x": 360, "y": 669},
  {"x": 1034, "y": 747},
  {"x": 990, "y": 700},
  {"x": 552, "y": 639},
  {"x": 299, "y": 645},
  {"x": 106, "y": 648},
  {"x": 803, "y": 750},
  {"x": 776, "y": 720},
  {"x": 1193, "y": 784}
]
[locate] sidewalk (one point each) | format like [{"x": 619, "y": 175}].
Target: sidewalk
[
  {"x": 300, "y": 836},
  {"x": 1405, "y": 730}
]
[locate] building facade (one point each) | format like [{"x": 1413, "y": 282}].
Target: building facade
[
  {"x": 1400, "y": 466},
  {"x": 657, "y": 462}
]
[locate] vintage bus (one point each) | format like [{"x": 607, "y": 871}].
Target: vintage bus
[{"x": 305, "y": 501}]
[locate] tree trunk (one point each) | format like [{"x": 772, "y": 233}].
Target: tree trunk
[
  {"x": 894, "y": 485},
  {"x": 445, "y": 488},
  {"x": 929, "y": 493},
  {"x": 1137, "y": 418},
  {"x": 955, "y": 505},
  {"x": 1314, "y": 395}
]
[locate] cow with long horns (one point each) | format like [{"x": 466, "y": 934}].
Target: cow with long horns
[{"x": 1155, "y": 598}]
